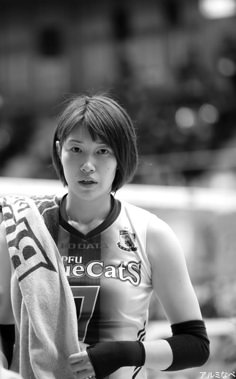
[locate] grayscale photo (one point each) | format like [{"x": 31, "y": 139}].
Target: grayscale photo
[{"x": 117, "y": 189}]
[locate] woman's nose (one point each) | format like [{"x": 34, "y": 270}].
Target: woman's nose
[{"x": 87, "y": 167}]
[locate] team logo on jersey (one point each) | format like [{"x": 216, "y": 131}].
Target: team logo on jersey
[
  {"x": 124, "y": 271},
  {"x": 127, "y": 240}
]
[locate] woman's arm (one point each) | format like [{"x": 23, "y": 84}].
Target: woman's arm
[{"x": 174, "y": 289}]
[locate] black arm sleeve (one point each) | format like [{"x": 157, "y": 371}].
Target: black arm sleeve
[
  {"x": 7, "y": 334},
  {"x": 189, "y": 344},
  {"x": 107, "y": 357}
]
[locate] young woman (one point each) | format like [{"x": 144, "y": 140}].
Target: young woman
[{"x": 114, "y": 253}]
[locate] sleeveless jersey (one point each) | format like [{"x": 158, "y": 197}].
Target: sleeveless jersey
[{"x": 109, "y": 273}]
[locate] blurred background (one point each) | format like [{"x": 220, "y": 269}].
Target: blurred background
[{"x": 172, "y": 65}]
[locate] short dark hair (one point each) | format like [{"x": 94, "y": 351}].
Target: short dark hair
[{"x": 107, "y": 120}]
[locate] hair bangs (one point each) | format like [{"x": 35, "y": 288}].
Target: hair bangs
[{"x": 100, "y": 127}]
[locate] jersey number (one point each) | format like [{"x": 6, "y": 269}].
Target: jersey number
[{"x": 85, "y": 301}]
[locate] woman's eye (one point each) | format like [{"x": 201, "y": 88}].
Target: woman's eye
[
  {"x": 75, "y": 149},
  {"x": 103, "y": 151}
]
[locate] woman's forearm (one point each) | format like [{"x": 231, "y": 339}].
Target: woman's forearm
[{"x": 159, "y": 355}]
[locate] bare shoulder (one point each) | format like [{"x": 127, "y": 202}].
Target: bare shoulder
[
  {"x": 162, "y": 242},
  {"x": 161, "y": 230}
]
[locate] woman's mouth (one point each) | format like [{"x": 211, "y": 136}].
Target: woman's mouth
[{"x": 87, "y": 182}]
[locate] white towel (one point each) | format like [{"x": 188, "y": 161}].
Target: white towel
[{"x": 43, "y": 304}]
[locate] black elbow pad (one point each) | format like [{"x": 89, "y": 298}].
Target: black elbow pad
[{"x": 189, "y": 344}]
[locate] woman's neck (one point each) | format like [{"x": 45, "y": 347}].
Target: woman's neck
[{"x": 87, "y": 215}]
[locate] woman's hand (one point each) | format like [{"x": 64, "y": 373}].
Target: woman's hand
[{"x": 81, "y": 366}]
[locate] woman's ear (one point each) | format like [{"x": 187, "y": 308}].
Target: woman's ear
[{"x": 58, "y": 147}]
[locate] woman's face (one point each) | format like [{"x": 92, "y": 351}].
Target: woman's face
[{"x": 89, "y": 166}]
